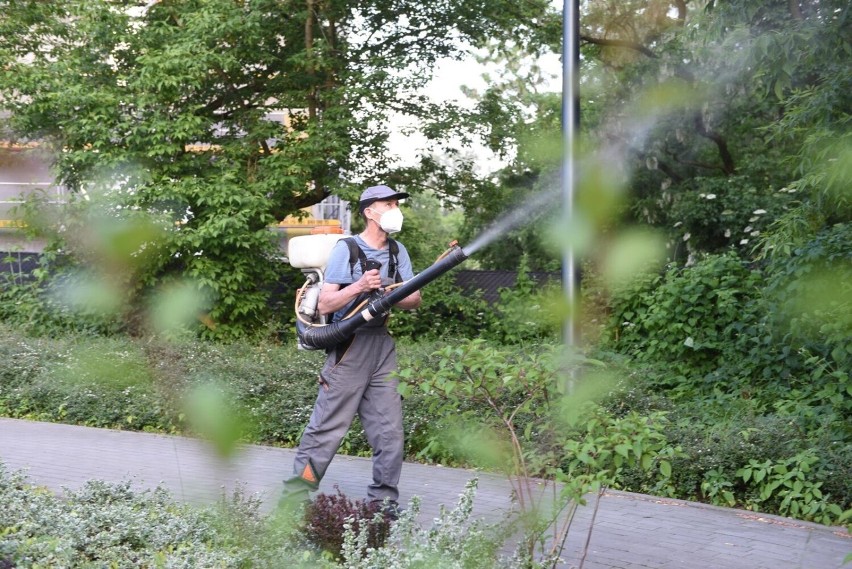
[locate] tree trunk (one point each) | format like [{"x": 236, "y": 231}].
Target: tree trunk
[{"x": 309, "y": 52}]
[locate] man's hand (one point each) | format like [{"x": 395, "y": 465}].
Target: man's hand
[{"x": 369, "y": 281}]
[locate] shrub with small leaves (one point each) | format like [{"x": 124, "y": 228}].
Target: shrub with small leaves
[
  {"x": 104, "y": 525},
  {"x": 328, "y": 516},
  {"x": 113, "y": 525},
  {"x": 454, "y": 541}
]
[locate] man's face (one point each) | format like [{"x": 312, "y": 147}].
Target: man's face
[{"x": 381, "y": 206}]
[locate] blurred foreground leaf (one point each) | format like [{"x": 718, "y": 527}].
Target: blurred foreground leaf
[{"x": 214, "y": 416}]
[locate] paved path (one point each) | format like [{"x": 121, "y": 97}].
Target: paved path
[{"x": 630, "y": 531}]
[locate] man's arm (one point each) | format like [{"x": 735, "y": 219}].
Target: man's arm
[
  {"x": 332, "y": 298},
  {"x": 410, "y": 302},
  {"x": 405, "y": 269}
]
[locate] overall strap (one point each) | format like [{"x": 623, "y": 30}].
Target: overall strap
[
  {"x": 355, "y": 255},
  {"x": 393, "y": 250}
]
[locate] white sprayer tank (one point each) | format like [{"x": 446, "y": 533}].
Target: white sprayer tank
[{"x": 311, "y": 251}]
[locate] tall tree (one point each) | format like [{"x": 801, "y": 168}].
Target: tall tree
[{"x": 768, "y": 91}]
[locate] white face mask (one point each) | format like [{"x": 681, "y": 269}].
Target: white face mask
[{"x": 391, "y": 220}]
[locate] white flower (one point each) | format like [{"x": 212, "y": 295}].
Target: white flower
[
  {"x": 711, "y": 196},
  {"x": 747, "y": 229},
  {"x": 759, "y": 211},
  {"x": 754, "y": 233},
  {"x": 727, "y": 233},
  {"x": 686, "y": 236},
  {"x": 678, "y": 224},
  {"x": 743, "y": 241}
]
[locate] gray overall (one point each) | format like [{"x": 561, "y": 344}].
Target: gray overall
[{"x": 358, "y": 382}]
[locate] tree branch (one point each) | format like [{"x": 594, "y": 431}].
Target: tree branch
[
  {"x": 681, "y": 12},
  {"x": 309, "y": 52},
  {"x": 620, "y": 43},
  {"x": 795, "y": 10},
  {"x": 312, "y": 197},
  {"x": 728, "y": 166},
  {"x": 662, "y": 166}
]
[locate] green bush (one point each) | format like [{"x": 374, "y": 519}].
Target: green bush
[
  {"x": 716, "y": 213},
  {"x": 787, "y": 487},
  {"x": 691, "y": 445},
  {"x": 810, "y": 296},
  {"x": 445, "y": 312},
  {"x": 719, "y": 434},
  {"x": 106, "y": 525},
  {"x": 143, "y": 385},
  {"x": 526, "y": 313},
  {"x": 687, "y": 317},
  {"x": 112, "y": 525},
  {"x": 35, "y": 305},
  {"x": 776, "y": 338}
]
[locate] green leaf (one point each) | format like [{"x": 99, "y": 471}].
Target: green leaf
[{"x": 623, "y": 449}]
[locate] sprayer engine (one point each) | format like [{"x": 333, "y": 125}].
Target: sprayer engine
[{"x": 310, "y": 254}]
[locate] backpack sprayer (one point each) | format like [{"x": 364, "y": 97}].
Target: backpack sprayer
[{"x": 310, "y": 254}]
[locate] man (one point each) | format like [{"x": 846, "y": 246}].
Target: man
[{"x": 355, "y": 378}]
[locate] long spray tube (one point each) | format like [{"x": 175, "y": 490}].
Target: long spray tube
[{"x": 324, "y": 337}]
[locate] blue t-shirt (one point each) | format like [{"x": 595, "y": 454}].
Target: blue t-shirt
[{"x": 337, "y": 270}]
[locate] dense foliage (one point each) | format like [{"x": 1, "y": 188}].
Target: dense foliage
[
  {"x": 470, "y": 403},
  {"x": 112, "y": 525},
  {"x": 521, "y": 314}
]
